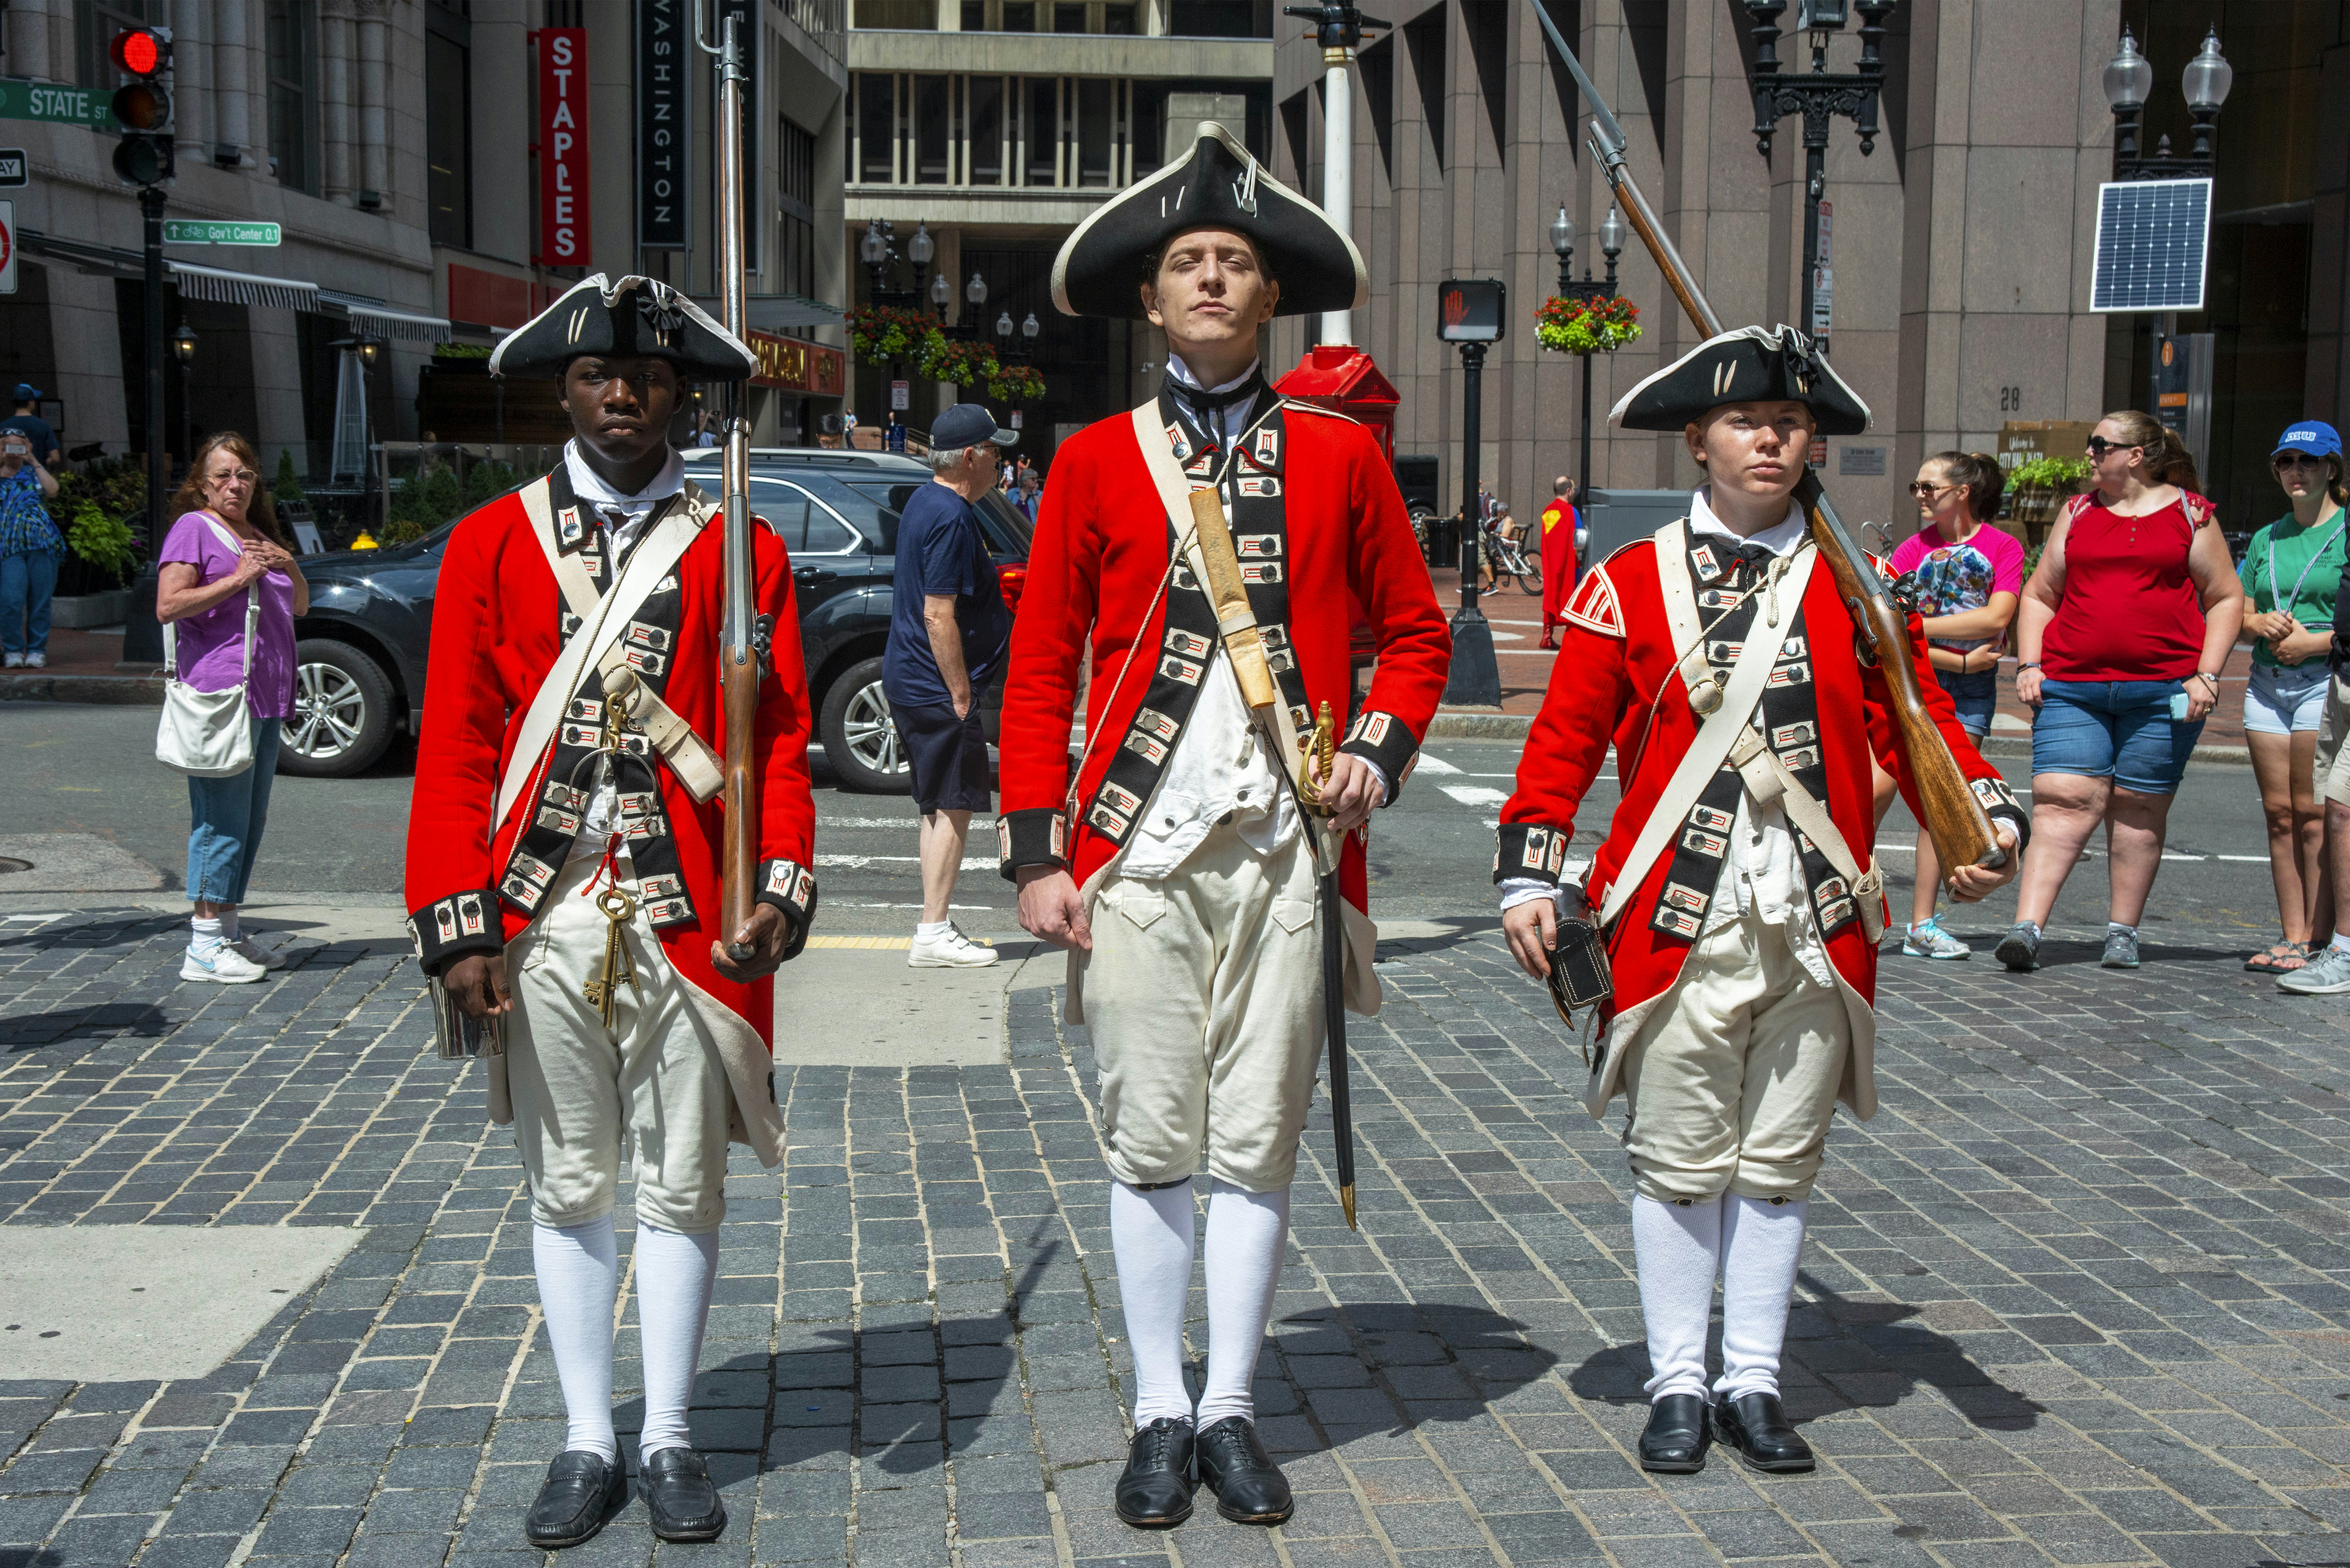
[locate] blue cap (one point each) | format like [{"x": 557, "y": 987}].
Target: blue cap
[
  {"x": 2312, "y": 436},
  {"x": 27, "y": 393},
  {"x": 968, "y": 424}
]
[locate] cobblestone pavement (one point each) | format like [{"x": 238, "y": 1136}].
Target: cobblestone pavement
[{"x": 2076, "y": 1295}]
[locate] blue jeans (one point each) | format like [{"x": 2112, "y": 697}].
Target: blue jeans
[
  {"x": 1976, "y": 697},
  {"x": 229, "y": 816},
  {"x": 26, "y": 584},
  {"x": 2120, "y": 729}
]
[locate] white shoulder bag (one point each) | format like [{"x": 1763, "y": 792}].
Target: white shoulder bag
[{"x": 208, "y": 734}]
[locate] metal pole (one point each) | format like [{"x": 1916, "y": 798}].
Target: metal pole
[
  {"x": 159, "y": 464},
  {"x": 1583, "y": 481},
  {"x": 1337, "y": 168},
  {"x": 1476, "y": 677}
]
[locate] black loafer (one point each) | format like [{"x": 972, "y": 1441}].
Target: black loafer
[
  {"x": 1754, "y": 1427},
  {"x": 1677, "y": 1439},
  {"x": 582, "y": 1490},
  {"x": 1154, "y": 1490},
  {"x": 1250, "y": 1487},
  {"x": 679, "y": 1496}
]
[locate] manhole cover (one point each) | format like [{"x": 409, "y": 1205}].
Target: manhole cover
[{"x": 10, "y": 863}]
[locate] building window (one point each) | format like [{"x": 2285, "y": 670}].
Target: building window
[
  {"x": 876, "y": 130},
  {"x": 933, "y": 132},
  {"x": 448, "y": 122},
  {"x": 1019, "y": 16},
  {"x": 986, "y": 99},
  {"x": 1042, "y": 131},
  {"x": 1219, "y": 19},
  {"x": 1097, "y": 132},
  {"x": 795, "y": 210},
  {"x": 293, "y": 93},
  {"x": 906, "y": 16}
]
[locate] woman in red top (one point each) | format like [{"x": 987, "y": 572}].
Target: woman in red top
[{"x": 2123, "y": 630}]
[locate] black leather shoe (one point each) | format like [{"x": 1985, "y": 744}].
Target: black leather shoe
[
  {"x": 679, "y": 1496},
  {"x": 1754, "y": 1427},
  {"x": 582, "y": 1490},
  {"x": 1677, "y": 1439},
  {"x": 1250, "y": 1487},
  {"x": 1154, "y": 1490}
]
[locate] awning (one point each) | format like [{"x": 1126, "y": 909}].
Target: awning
[
  {"x": 776, "y": 312},
  {"x": 383, "y": 320},
  {"x": 242, "y": 287}
]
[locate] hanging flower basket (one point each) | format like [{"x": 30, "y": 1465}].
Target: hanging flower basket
[
  {"x": 1586, "y": 326},
  {"x": 1016, "y": 384},
  {"x": 884, "y": 335}
]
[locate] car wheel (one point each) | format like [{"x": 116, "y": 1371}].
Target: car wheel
[
  {"x": 859, "y": 738},
  {"x": 342, "y": 711}
]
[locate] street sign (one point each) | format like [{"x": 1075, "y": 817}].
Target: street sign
[
  {"x": 1824, "y": 275},
  {"x": 204, "y": 232},
  {"x": 1468, "y": 310},
  {"x": 56, "y": 105},
  {"x": 901, "y": 395},
  {"x": 8, "y": 247},
  {"x": 13, "y": 168}
]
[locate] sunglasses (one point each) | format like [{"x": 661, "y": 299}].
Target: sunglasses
[
  {"x": 2285, "y": 460},
  {"x": 1925, "y": 492},
  {"x": 241, "y": 475},
  {"x": 2099, "y": 446}
]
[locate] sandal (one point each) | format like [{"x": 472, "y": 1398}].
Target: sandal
[
  {"x": 2297, "y": 958},
  {"x": 2271, "y": 959}
]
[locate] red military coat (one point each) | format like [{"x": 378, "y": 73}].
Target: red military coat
[
  {"x": 496, "y": 633},
  {"x": 1615, "y": 654},
  {"x": 1101, "y": 551}
]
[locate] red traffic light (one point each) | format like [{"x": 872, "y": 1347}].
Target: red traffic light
[{"x": 139, "y": 51}]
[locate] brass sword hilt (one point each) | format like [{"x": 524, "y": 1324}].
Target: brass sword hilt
[{"x": 1321, "y": 756}]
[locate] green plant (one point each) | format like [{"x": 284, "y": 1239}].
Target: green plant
[
  {"x": 1016, "y": 384},
  {"x": 2048, "y": 473},
  {"x": 883, "y": 333},
  {"x": 104, "y": 541},
  {"x": 443, "y": 497},
  {"x": 486, "y": 481},
  {"x": 401, "y": 531},
  {"x": 287, "y": 486},
  {"x": 461, "y": 352},
  {"x": 1586, "y": 326}
]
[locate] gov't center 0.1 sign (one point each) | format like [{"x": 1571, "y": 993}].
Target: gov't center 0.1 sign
[{"x": 563, "y": 147}]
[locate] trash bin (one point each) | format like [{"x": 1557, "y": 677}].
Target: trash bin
[{"x": 142, "y": 634}]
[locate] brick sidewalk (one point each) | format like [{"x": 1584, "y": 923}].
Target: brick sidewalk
[{"x": 2076, "y": 1295}]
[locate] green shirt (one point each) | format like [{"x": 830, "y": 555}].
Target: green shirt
[{"x": 2283, "y": 553}]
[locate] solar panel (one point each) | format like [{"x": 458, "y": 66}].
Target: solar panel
[{"x": 2152, "y": 236}]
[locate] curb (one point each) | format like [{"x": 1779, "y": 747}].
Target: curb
[{"x": 128, "y": 691}]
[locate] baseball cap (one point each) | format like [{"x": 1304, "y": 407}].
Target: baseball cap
[
  {"x": 968, "y": 424},
  {"x": 28, "y": 393},
  {"x": 2312, "y": 436}
]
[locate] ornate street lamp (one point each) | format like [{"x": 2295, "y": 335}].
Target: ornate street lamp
[
  {"x": 2130, "y": 78},
  {"x": 940, "y": 292},
  {"x": 919, "y": 250},
  {"x": 1819, "y": 95}
]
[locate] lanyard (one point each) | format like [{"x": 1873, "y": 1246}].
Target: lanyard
[{"x": 2322, "y": 545}]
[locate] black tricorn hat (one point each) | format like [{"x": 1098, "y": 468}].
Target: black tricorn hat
[
  {"x": 637, "y": 315},
  {"x": 1220, "y": 186},
  {"x": 1750, "y": 365}
]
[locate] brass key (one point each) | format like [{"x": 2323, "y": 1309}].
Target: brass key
[{"x": 604, "y": 992}]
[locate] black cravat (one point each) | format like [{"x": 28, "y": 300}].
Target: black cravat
[{"x": 1206, "y": 408}]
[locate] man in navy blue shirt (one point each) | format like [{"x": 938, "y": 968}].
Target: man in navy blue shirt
[
  {"x": 949, "y": 629},
  {"x": 27, "y": 418}
]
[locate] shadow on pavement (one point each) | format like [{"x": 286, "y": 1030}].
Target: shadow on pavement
[{"x": 1858, "y": 1356}]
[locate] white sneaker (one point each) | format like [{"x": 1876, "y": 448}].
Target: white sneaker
[
  {"x": 952, "y": 950},
  {"x": 12, "y": 661},
  {"x": 222, "y": 965},
  {"x": 37, "y": 660},
  {"x": 254, "y": 953}
]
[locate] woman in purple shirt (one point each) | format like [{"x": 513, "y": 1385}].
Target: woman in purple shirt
[{"x": 225, "y": 543}]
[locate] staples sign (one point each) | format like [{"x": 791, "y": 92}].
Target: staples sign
[{"x": 563, "y": 147}]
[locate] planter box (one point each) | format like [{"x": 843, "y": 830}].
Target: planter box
[{"x": 80, "y": 610}]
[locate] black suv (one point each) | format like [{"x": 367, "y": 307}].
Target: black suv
[{"x": 361, "y": 649}]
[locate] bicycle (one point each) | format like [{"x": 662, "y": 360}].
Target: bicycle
[{"x": 1509, "y": 560}]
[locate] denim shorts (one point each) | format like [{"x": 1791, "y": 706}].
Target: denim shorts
[
  {"x": 2120, "y": 729},
  {"x": 2280, "y": 702},
  {"x": 1976, "y": 695}
]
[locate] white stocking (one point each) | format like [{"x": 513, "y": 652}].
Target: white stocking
[
  {"x": 1246, "y": 1233},
  {"x": 1151, "y": 1234},
  {"x": 674, "y": 1276},
  {"x": 578, "y": 1281},
  {"x": 1760, "y": 1243},
  {"x": 1675, "y": 1250}
]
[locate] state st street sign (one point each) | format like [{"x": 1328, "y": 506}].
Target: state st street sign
[{"x": 21, "y": 100}]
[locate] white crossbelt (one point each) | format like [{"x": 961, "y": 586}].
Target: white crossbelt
[{"x": 1725, "y": 735}]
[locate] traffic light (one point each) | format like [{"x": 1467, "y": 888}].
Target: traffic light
[{"x": 144, "y": 105}]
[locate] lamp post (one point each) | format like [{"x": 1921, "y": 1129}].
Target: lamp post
[
  {"x": 974, "y": 293},
  {"x": 1819, "y": 95},
  {"x": 1611, "y": 245},
  {"x": 941, "y": 291},
  {"x": 2128, "y": 76},
  {"x": 919, "y": 250},
  {"x": 1338, "y": 27},
  {"x": 1029, "y": 328},
  {"x": 183, "y": 349}
]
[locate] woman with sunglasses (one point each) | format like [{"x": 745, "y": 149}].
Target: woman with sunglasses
[
  {"x": 2291, "y": 572},
  {"x": 225, "y": 545},
  {"x": 2119, "y": 640},
  {"x": 1968, "y": 575}
]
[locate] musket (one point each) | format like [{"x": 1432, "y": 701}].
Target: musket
[
  {"x": 738, "y": 651},
  {"x": 1961, "y": 830}
]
